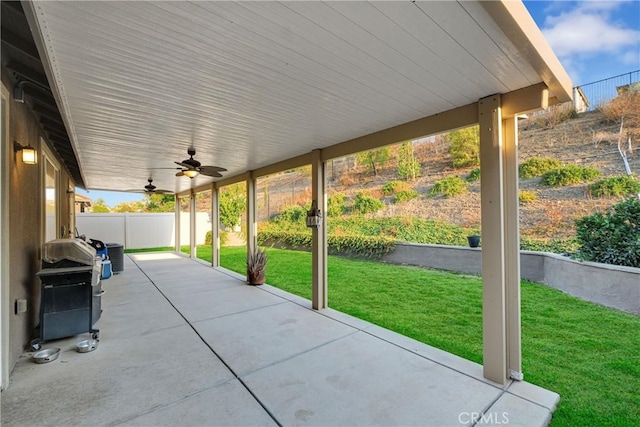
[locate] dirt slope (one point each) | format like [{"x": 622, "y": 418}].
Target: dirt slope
[{"x": 587, "y": 140}]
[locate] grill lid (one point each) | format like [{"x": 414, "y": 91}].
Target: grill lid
[{"x": 76, "y": 250}]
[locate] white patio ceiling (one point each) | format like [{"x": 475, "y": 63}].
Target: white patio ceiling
[{"x": 248, "y": 84}]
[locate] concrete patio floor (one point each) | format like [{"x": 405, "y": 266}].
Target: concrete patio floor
[{"x": 184, "y": 344}]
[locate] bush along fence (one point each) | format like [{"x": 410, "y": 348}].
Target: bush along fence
[{"x": 372, "y": 247}]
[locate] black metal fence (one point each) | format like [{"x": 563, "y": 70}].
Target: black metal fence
[{"x": 602, "y": 91}]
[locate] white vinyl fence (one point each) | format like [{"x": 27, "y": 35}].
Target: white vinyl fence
[{"x": 141, "y": 230}]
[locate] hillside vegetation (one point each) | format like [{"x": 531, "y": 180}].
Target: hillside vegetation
[{"x": 570, "y": 168}]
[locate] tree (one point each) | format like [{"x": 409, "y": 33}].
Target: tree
[
  {"x": 374, "y": 157},
  {"x": 128, "y": 207},
  {"x": 408, "y": 165},
  {"x": 465, "y": 146},
  {"x": 232, "y": 203},
  {"x": 159, "y": 203},
  {"x": 100, "y": 207}
]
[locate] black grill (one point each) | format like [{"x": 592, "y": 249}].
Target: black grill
[{"x": 70, "y": 290}]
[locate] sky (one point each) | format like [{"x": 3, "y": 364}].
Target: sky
[{"x": 593, "y": 40}]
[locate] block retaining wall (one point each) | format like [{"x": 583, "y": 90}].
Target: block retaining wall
[{"x": 609, "y": 285}]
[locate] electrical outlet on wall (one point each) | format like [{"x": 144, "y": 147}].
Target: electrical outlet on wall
[{"x": 21, "y": 306}]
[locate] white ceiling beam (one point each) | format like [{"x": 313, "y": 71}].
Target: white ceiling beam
[
  {"x": 438, "y": 123},
  {"x": 525, "y": 100},
  {"x": 515, "y": 21}
]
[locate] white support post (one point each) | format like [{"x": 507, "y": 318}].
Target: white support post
[
  {"x": 177, "y": 222},
  {"x": 215, "y": 226},
  {"x": 192, "y": 225},
  {"x": 500, "y": 242},
  {"x": 319, "y": 235},
  {"x": 493, "y": 229},
  {"x": 252, "y": 217},
  {"x": 512, "y": 247}
]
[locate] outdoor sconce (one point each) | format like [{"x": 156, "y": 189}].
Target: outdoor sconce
[
  {"x": 18, "y": 94},
  {"x": 191, "y": 173},
  {"x": 314, "y": 217},
  {"x": 29, "y": 154}
]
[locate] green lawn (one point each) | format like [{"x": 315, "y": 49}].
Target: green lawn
[
  {"x": 163, "y": 248},
  {"x": 588, "y": 354}
]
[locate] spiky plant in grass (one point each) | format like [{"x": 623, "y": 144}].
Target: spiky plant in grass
[{"x": 256, "y": 264}]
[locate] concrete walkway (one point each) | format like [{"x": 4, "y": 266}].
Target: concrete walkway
[{"x": 186, "y": 345}]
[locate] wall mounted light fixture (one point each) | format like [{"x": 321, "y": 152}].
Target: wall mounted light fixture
[
  {"x": 314, "y": 216},
  {"x": 29, "y": 154},
  {"x": 18, "y": 94}
]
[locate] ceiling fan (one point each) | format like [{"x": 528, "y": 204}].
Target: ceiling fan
[
  {"x": 192, "y": 168},
  {"x": 150, "y": 189}
]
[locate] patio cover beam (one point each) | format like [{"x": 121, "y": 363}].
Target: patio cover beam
[
  {"x": 319, "y": 235},
  {"x": 192, "y": 225},
  {"x": 493, "y": 251},
  {"x": 432, "y": 125},
  {"x": 215, "y": 226},
  {"x": 176, "y": 199},
  {"x": 500, "y": 237},
  {"x": 252, "y": 214},
  {"x": 515, "y": 21}
]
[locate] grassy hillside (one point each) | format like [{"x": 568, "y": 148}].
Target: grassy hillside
[{"x": 589, "y": 139}]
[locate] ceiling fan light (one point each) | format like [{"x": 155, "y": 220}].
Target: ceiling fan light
[{"x": 191, "y": 173}]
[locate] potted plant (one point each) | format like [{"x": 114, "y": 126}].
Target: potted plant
[
  {"x": 474, "y": 241},
  {"x": 256, "y": 264}
]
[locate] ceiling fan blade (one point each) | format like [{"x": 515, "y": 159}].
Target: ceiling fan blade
[
  {"x": 205, "y": 169},
  {"x": 210, "y": 173},
  {"x": 181, "y": 173}
]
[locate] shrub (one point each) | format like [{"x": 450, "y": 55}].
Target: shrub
[
  {"x": 401, "y": 190},
  {"x": 365, "y": 203},
  {"x": 335, "y": 204},
  {"x": 408, "y": 165},
  {"x": 293, "y": 213},
  {"x": 363, "y": 246},
  {"x": 473, "y": 175},
  {"x": 465, "y": 146},
  {"x": 526, "y": 196},
  {"x": 374, "y": 159},
  {"x": 392, "y": 187},
  {"x": 405, "y": 196},
  {"x": 556, "y": 246},
  {"x": 625, "y": 105},
  {"x": 406, "y": 229},
  {"x": 223, "y": 238},
  {"x": 570, "y": 174},
  {"x": 449, "y": 187},
  {"x": 556, "y": 115},
  {"x": 537, "y": 166},
  {"x": 612, "y": 237},
  {"x": 615, "y": 186}
]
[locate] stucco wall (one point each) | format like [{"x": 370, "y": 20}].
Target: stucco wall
[
  {"x": 613, "y": 286},
  {"x": 609, "y": 285},
  {"x": 25, "y": 231}
]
